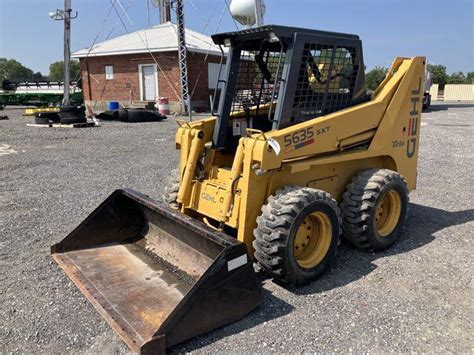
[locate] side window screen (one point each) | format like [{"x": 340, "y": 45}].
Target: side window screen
[
  {"x": 326, "y": 81},
  {"x": 317, "y": 68},
  {"x": 344, "y": 65},
  {"x": 257, "y": 83}
]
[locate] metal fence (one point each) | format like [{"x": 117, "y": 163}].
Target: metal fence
[
  {"x": 434, "y": 92},
  {"x": 459, "y": 92}
]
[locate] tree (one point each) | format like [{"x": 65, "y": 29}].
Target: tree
[
  {"x": 56, "y": 70},
  {"x": 374, "y": 77},
  {"x": 439, "y": 75},
  {"x": 13, "y": 70},
  {"x": 456, "y": 78},
  {"x": 470, "y": 77},
  {"x": 38, "y": 76}
]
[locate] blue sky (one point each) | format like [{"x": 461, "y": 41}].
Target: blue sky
[{"x": 440, "y": 29}]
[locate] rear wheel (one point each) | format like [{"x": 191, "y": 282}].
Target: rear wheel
[
  {"x": 297, "y": 234},
  {"x": 374, "y": 208},
  {"x": 426, "y": 101}
]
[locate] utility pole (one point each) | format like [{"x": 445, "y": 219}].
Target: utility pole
[
  {"x": 168, "y": 10},
  {"x": 182, "y": 54},
  {"x": 67, "y": 50},
  {"x": 258, "y": 13},
  {"x": 161, "y": 9}
]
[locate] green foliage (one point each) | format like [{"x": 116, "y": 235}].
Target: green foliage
[
  {"x": 439, "y": 74},
  {"x": 374, "y": 77},
  {"x": 56, "y": 70},
  {"x": 470, "y": 77},
  {"x": 457, "y": 78},
  {"x": 38, "y": 76},
  {"x": 441, "y": 77},
  {"x": 12, "y": 70}
]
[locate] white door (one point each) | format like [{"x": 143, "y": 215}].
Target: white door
[{"x": 148, "y": 79}]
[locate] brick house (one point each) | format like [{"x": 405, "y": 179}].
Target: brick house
[{"x": 123, "y": 68}]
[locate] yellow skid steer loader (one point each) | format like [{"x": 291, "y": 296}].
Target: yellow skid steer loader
[{"x": 296, "y": 154}]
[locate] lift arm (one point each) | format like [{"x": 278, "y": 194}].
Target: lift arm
[{"x": 338, "y": 131}]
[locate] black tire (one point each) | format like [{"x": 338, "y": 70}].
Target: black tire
[
  {"x": 367, "y": 191},
  {"x": 51, "y": 116},
  {"x": 70, "y": 120},
  {"x": 171, "y": 190},
  {"x": 141, "y": 115},
  {"x": 123, "y": 115},
  {"x": 41, "y": 120},
  {"x": 277, "y": 228},
  {"x": 108, "y": 115},
  {"x": 73, "y": 109},
  {"x": 54, "y": 117},
  {"x": 72, "y": 114},
  {"x": 426, "y": 102}
]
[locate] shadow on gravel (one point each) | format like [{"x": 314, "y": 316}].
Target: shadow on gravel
[
  {"x": 446, "y": 106},
  {"x": 352, "y": 264},
  {"x": 271, "y": 307}
]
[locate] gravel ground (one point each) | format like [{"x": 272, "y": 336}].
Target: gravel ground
[{"x": 416, "y": 296}]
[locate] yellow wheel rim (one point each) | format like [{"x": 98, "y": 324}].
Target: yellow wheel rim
[
  {"x": 387, "y": 212},
  {"x": 312, "y": 240}
]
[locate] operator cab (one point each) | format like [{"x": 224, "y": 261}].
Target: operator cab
[{"x": 277, "y": 76}]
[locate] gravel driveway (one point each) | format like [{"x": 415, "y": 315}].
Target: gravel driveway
[{"x": 416, "y": 296}]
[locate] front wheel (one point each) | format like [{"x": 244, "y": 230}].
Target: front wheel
[
  {"x": 297, "y": 234},
  {"x": 171, "y": 190}
]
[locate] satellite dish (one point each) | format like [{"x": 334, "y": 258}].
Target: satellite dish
[
  {"x": 243, "y": 11},
  {"x": 156, "y": 3}
]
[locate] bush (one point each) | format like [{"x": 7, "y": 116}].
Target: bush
[{"x": 374, "y": 77}]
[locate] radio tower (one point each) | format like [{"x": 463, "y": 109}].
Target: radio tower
[{"x": 182, "y": 54}]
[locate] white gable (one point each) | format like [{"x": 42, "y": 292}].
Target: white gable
[{"x": 161, "y": 38}]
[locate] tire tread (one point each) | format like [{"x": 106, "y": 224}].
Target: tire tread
[
  {"x": 273, "y": 227},
  {"x": 359, "y": 201}
]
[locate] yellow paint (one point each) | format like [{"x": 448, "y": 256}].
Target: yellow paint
[
  {"x": 387, "y": 213},
  {"x": 32, "y": 111},
  {"x": 381, "y": 133},
  {"x": 313, "y": 239}
]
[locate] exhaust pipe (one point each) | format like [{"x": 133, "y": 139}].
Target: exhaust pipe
[{"x": 157, "y": 276}]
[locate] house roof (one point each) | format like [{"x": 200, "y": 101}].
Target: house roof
[{"x": 161, "y": 38}]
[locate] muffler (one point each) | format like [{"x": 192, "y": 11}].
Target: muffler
[{"x": 157, "y": 276}]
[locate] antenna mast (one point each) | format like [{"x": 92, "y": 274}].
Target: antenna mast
[
  {"x": 182, "y": 57},
  {"x": 164, "y": 8},
  {"x": 165, "y": 16}
]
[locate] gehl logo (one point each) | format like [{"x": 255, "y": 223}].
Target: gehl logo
[{"x": 413, "y": 122}]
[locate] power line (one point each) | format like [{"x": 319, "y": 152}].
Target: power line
[
  {"x": 233, "y": 19},
  {"x": 120, "y": 18},
  {"x": 93, "y": 43},
  {"x": 207, "y": 53},
  {"x": 125, "y": 12},
  {"x": 211, "y": 15},
  {"x": 147, "y": 48},
  {"x": 130, "y": 2}
]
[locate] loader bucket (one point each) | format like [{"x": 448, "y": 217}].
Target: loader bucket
[{"x": 157, "y": 276}]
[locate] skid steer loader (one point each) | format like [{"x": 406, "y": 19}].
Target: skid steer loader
[{"x": 296, "y": 154}]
